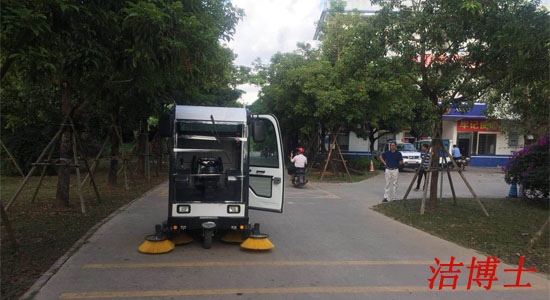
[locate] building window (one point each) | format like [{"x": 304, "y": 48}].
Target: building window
[
  {"x": 487, "y": 144},
  {"x": 513, "y": 140},
  {"x": 343, "y": 141}
]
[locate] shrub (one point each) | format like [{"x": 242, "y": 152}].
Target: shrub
[
  {"x": 530, "y": 167},
  {"x": 361, "y": 164}
]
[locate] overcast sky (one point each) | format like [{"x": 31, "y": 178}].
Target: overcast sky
[{"x": 270, "y": 26}]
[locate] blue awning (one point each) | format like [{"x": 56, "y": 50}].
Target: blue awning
[{"x": 476, "y": 112}]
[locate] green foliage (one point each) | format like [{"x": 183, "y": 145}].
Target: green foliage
[
  {"x": 515, "y": 54},
  {"x": 290, "y": 94},
  {"x": 361, "y": 163},
  {"x": 350, "y": 81},
  {"x": 120, "y": 58},
  {"x": 530, "y": 167},
  {"x": 461, "y": 52},
  {"x": 431, "y": 40}
]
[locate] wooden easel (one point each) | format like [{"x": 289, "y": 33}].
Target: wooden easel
[
  {"x": 332, "y": 146},
  {"x": 74, "y": 163},
  {"x": 446, "y": 167}
]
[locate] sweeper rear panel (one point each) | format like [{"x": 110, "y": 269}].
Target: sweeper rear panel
[{"x": 218, "y": 170}]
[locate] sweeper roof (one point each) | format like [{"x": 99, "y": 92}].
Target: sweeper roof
[{"x": 204, "y": 113}]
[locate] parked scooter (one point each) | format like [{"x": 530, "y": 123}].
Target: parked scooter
[{"x": 462, "y": 162}]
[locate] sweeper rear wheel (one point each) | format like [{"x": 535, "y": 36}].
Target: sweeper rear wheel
[{"x": 207, "y": 242}]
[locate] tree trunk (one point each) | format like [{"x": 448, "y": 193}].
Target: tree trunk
[
  {"x": 64, "y": 172},
  {"x": 435, "y": 163},
  {"x": 115, "y": 145},
  {"x": 140, "y": 170}
]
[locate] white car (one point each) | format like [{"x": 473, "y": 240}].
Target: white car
[{"x": 411, "y": 157}]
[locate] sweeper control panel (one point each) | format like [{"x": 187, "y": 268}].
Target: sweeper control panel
[{"x": 223, "y": 162}]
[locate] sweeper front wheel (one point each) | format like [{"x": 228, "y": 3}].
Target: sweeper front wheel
[{"x": 207, "y": 242}]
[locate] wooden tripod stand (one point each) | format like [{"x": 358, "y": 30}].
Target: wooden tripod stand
[
  {"x": 446, "y": 167},
  {"x": 66, "y": 124},
  {"x": 334, "y": 146}
]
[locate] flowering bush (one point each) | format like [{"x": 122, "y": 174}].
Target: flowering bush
[{"x": 530, "y": 167}]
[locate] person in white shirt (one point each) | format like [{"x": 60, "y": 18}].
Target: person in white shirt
[{"x": 300, "y": 160}]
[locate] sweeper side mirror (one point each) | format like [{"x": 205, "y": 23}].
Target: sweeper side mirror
[
  {"x": 258, "y": 131},
  {"x": 165, "y": 125}
]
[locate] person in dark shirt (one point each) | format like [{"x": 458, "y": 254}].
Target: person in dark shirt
[
  {"x": 392, "y": 159},
  {"x": 422, "y": 171}
]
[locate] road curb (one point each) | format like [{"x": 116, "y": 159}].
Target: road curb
[{"x": 44, "y": 278}]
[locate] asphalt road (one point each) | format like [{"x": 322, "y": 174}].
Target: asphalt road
[{"x": 329, "y": 244}]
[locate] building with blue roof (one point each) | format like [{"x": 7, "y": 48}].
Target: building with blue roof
[{"x": 476, "y": 136}]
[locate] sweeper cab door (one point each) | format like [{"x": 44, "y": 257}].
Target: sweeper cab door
[{"x": 266, "y": 165}]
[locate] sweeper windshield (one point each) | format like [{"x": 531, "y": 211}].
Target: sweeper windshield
[{"x": 209, "y": 161}]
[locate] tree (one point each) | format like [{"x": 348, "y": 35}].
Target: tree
[
  {"x": 63, "y": 51},
  {"x": 114, "y": 56},
  {"x": 380, "y": 97},
  {"x": 349, "y": 82},
  {"x": 516, "y": 60},
  {"x": 431, "y": 40},
  {"x": 285, "y": 94},
  {"x": 458, "y": 52}
]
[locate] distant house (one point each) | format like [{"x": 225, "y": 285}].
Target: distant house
[{"x": 475, "y": 135}]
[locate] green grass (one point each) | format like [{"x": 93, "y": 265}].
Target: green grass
[
  {"x": 504, "y": 234},
  {"x": 45, "y": 231}
]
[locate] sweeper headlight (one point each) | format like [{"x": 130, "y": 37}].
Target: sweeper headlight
[
  {"x": 233, "y": 209},
  {"x": 184, "y": 209}
]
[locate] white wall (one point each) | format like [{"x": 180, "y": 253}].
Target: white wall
[
  {"x": 502, "y": 144},
  {"x": 358, "y": 144},
  {"x": 449, "y": 131}
]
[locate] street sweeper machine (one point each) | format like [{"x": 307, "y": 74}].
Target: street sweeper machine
[{"x": 223, "y": 162}]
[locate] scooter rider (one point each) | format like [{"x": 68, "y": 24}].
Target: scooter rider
[
  {"x": 456, "y": 153},
  {"x": 300, "y": 160}
]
